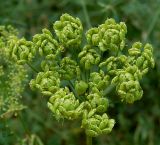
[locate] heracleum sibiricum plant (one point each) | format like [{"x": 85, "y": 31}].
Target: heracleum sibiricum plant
[
  {"x": 12, "y": 77},
  {"x": 75, "y": 75}
]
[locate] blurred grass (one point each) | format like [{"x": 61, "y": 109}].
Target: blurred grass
[{"x": 137, "y": 124}]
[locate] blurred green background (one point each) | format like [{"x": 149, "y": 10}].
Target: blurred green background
[{"x": 136, "y": 124}]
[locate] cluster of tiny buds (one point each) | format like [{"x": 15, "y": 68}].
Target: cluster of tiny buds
[
  {"x": 12, "y": 76},
  {"x": 75, "y": 76}
]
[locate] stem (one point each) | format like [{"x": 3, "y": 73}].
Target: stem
[
  {"x": 89, "y": 140},
  {"x": 153, "y": 23},
  {"x": 32, "y": 67},
  {"x": 27, "y": 132},
  {"x": 109, "y": 89},
  {"x": 88, "y": 75},
  {"x": 86, "y": 13},
  {"x": 73, "y": 90}
]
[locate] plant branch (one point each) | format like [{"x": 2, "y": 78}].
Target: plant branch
[
  {"x": 89, "y": 140},
  {"x": 86, "y": 14},
  {"x": 73, "y": 90},
  {"x": 35, "y": 70}
]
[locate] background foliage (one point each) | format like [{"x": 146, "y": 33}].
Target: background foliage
[{"x": 136, "y": 124}]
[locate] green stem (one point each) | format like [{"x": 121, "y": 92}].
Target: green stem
[
  {"x": 109, "y": 89},
  {"x": 27, "y": 132},
  {"x": 73, "y": 90},
  {"x": 89, "y": 140},
  {"x": 32, "y": 67},
  {"x": 84, "y": 8},
  {"x": 153, "y": 23}
]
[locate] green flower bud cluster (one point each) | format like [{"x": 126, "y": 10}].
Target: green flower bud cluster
[
  {"x": 64, "y": 104},
  {"x": 127, "y": 71},
  {"x": 100, "y": 81},
  {"x": 46, "y": 44},
  {"x": 69, "y": 69},
  {"x": 114, "y": 64},
  {"x": 69, "y": 31},
  {"x": 127, "y": 84},
  {"x": 96, "y": 124},
  {"x": 47, "y": 82},
  {"x": 76, "y": 79},
  {"x": 97, "y": 102},
  {"x": 142, "y": 56},
  {"x": 108, "y": 36},
  {"x": 20, "y": 49},
  {"x": 95, "y": 121},
  {"x": 12, "y": 77},
  {"x": 89, "y": 57},
  {"x": 7, "y": 31},
  {"x": 48, "y": 48},
  {"x": 49, "y": 65}
]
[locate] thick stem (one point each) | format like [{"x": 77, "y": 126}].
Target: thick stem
[{"x": 89, "y": 140}]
